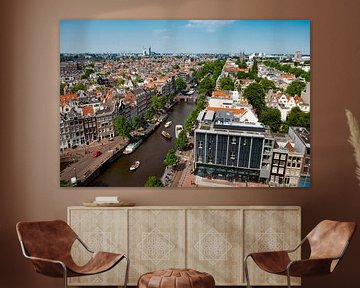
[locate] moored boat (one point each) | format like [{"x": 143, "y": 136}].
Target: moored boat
[
  {"x": 135, "y": 165},
  {"x": 132, "y": 147},
  {"x": 168, "y": 124},
  {"x": 166, "y": 135}
]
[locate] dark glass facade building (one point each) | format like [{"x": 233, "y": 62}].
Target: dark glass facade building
[{"x": 229, "y": 150}]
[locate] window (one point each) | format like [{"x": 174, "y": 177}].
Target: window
[
  {"x": 282, "y": 157},
  {"x": 201, "y": 144}
]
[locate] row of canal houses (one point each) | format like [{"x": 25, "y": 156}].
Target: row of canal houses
[{"x": 89, "y": 116}]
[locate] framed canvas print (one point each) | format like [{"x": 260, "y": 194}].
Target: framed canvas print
[{"x": 185, "y": 103}]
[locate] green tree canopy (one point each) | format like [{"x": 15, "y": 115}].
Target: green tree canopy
[
  {"x": 297, "y": 118},
  {"x": 254, "y": 70},
  {"x": 87, "y": 73},
  {"x": 298, "y": 72},
  {"x": 226, "y": 83},
  {"x": 267, "y": 85},
  {"x": 77, "y": 87},
  {"x": 182, "y": 141},
  {"x": 156, "y": 103},
  {"x": 271, "y": 117},
  {"x": 152, "y": 181},
  {"x": 256, "y": 96},
  {"x": 241, "y": 64},
  {"x": 149, "y": 115},
  {"x": 207, "y": 85},
  {"x": 121, "y": 81},
  {"x": 136, "y": 123},
  {"x": 62, "y": 87},
  {"x": 122, "y": 126},
  {"x": 180, "y": 84},
  {"x": 295, "y": 88},
  {"x": 171, "y": 158}
]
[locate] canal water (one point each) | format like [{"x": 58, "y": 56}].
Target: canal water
[{"x": 151, "y": 155}]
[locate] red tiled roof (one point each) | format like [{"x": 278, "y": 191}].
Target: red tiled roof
[
  {"x": 237, "y": 111},
  {"x": 220, "y": 94},
  {"x": 88, "y": 110},
  {"x": 64, "y": 99},
  {"x": 288, "y": 76}
]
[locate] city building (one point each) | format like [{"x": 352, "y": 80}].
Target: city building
[
  {"x": 230, "y": 150},
  {"x": 301, "y": 137}
]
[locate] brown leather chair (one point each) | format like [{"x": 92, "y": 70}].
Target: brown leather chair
[
  {"x": 48, "y": 245},
  {"x": 328, "y": 242}
]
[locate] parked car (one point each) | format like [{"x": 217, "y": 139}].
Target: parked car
[{"x": 96, "y": 153}]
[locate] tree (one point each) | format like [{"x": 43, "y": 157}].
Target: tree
[
  {"x": 87, "y": 73},
  {"x": 226, "y": 83},
  {"x": 256, "y": 96},
  {"x": 295, "y": 88},
  {"x": 121, "y": 81},
  {"x": 77, "y": 87},
  {"x": 136, "y": 123},
  {"x": 182, "y": 141},
  {"x": 254, "y": 70},
  {"x": 206, "y": 85},
  {"x": 62, "y": 87},
  {"x": 156, "y": 104},
  {"x": 242, "y": 75},
  {"x": 122, "y": 126},
  {"x": 149, "y": 115},
  {"x": 152, "y": 181},
  {"x": 271, "y": 117},
  {"x": 241, "y": 64},
  {"x": 180, "y": 84},
  {"x": 296, "y": 118},
  {"x": 171, "y": 158},
  {"x": 267, "y": 85}
]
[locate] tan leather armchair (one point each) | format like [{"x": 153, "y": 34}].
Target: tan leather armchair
[
  {"x": 328, "y": 242},
  {"x": 48, "y": 245}
]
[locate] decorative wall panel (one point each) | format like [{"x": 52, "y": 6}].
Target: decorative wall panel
[
  {"x": 214, "y": 241},
  {"x": 156, "y": 240},
  {"x": 100, "y": 230},
  {"x": 207, "y": 239},
  {"x": 270, "y": 230}
]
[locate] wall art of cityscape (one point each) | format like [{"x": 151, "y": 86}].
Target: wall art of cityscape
[{"x": 184, "y": 103}]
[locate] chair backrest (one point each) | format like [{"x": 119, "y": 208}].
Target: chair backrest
[
  {"x": 329, "y": 239},
  {"x": 46, "y": 239}
]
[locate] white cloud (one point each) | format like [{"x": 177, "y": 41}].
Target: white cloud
[{"x": 208, "y": 25}]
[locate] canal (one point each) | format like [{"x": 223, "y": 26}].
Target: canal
[{"x": 151, "y": 155}]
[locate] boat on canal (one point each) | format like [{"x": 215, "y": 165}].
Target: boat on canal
[
  {"x": 132, "y": 147},
  {"x": 168, "y": 124},
  {"x": 166, "y": 135},
  {"x": 135, "y": 165}
]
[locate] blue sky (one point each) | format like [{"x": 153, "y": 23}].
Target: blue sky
[{"x": 187, "y": 36}]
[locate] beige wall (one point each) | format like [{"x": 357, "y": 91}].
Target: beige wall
[{"x": 30, "y": 134}]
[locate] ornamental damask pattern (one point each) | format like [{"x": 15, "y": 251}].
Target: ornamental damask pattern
[
  {"x": 156, "y": 246},
  {"x": 213, "y": 246}
]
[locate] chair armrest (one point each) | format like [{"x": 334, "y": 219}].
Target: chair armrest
[
  {"x": 48, "y": 267},
  {"x": 309, "y": 267}
]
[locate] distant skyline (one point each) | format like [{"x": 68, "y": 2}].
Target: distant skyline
[{"x": 185, "y": 36}]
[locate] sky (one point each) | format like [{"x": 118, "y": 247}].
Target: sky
[{"x": 185, "y": 36}]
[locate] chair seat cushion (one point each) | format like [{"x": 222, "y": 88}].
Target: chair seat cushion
[
  {"x": 99, "y": 262},
  {"x": 272, "y": 262},
  {"x": 176, "y": 278}
]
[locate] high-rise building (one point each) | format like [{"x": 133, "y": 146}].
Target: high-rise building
[{"x": 230, "y": 150}]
